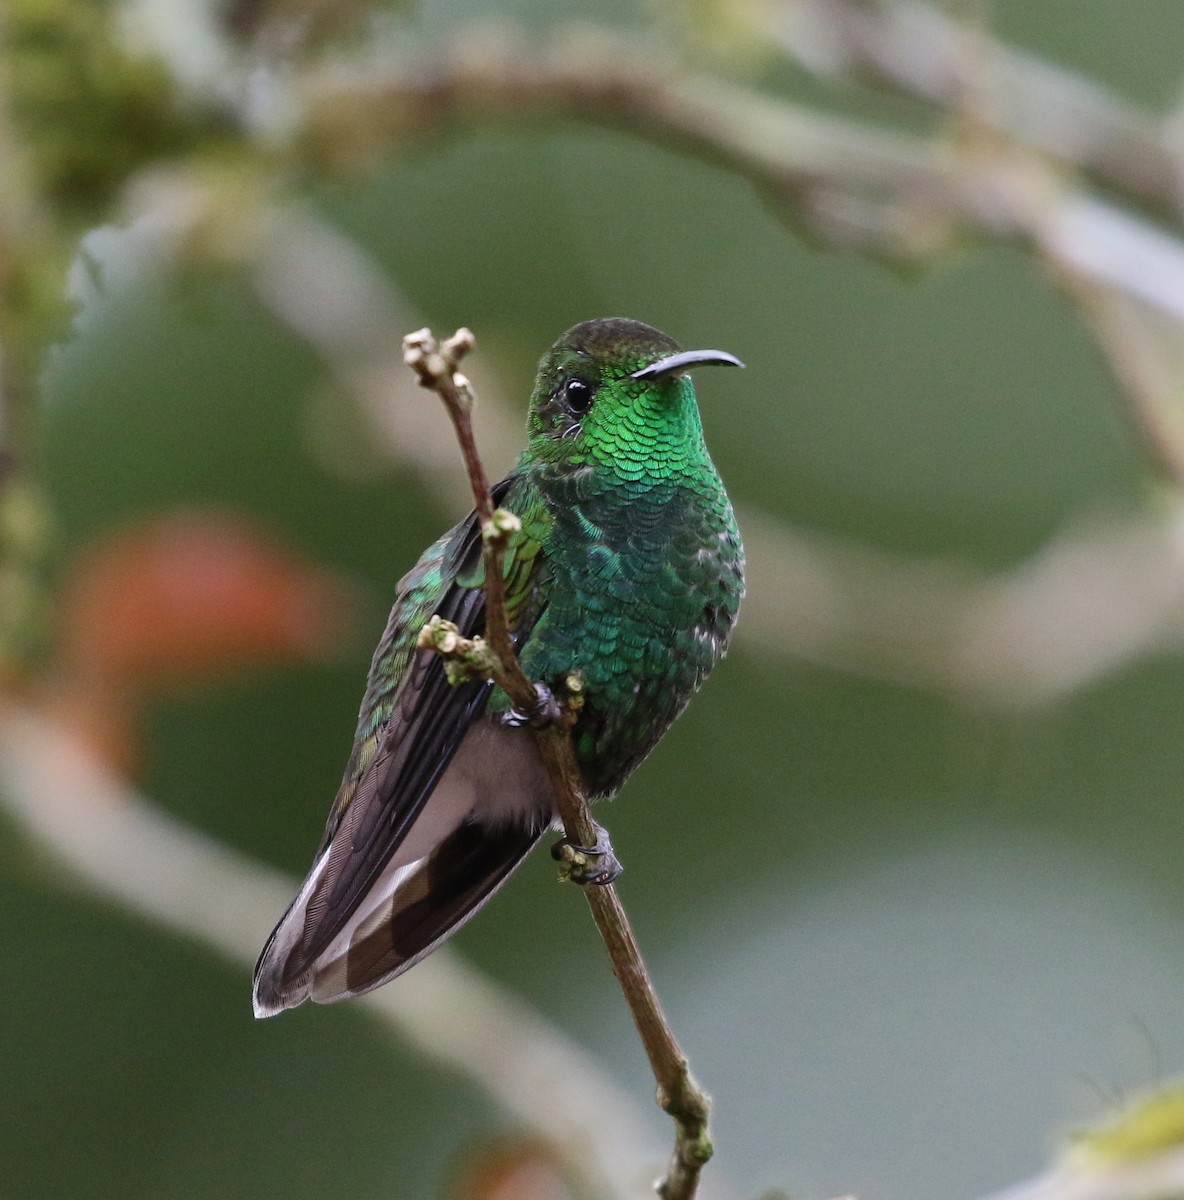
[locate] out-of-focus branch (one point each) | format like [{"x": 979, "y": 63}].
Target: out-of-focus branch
[
  {"x": 895, "y": 194},
  {"x": 923, "y": 51},
  {"x": 981, "y": 84},
  {"x": 113, "y": 841},
  {"x": 1148, "y": 1176},
  {"x": 323, "y": 287},
  {"x": 1145, "y": 354},
  {"x": 1092, "y": 600}
]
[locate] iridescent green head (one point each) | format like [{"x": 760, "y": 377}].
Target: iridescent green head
[{"x": 614, "y": 394}]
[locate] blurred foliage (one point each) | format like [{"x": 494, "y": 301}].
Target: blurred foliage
[
  {"x": 1145, "y": 1125},
  {"x": 90, "y": 112},
  {"x": 896, "y": 934},
  {"x": 82, "y": 113}
]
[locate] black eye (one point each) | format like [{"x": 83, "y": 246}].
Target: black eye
[{"x": 577, "y": 396}]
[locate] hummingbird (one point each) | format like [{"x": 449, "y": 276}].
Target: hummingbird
[{"x": 627, "y": 572}]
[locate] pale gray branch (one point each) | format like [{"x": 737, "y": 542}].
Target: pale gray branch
[
  {"x": 1152, "y": 1177},
  {"x": 1093, "y": 599},
  {"x": 930, "y": 54},
  {"x": 791, "y": 152}
]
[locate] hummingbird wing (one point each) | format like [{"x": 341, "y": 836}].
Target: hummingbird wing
[{"x": 438, "y": 804}]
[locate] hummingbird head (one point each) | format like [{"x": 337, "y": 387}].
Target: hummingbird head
[{"x": 614, "y": 395}]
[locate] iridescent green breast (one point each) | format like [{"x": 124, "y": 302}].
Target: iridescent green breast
[{"x": 646, "y": 583}]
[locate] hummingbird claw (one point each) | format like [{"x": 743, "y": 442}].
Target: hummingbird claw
[
  {"x": 574, "y": 859},
  {"x": 546, "y": 711}
]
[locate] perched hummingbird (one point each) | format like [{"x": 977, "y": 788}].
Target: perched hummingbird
[{"x": 628, "y": 571}]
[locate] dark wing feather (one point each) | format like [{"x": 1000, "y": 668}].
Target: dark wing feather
[
  {"x": 434, "y": 717},
  {"x": 385, "y": 791}
]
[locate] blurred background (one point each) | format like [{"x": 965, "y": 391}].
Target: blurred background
[{"x": 915, "y": 909}]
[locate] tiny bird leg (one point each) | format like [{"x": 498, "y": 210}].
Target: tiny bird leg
[
  {"x": 545, "y": 711},
  {"x": 574, "y": 860}
]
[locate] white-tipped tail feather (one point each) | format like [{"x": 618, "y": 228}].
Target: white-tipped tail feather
[{"x": 483, "y": 817}]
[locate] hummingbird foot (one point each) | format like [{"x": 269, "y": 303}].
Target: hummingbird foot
[
  {"x": 588, "y": 864},
  {"x": 545, "y": 711}
]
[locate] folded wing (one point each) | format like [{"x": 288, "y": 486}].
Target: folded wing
[{"x": 438, "y": 806}]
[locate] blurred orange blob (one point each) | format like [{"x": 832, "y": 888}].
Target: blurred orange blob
[
  {"x": 178, "y": 599},
  {"x": 511, "y": 1169}
]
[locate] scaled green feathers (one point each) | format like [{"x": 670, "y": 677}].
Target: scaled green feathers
[
  {"x": 646, "y": 563},
  {"x": 628, "y": 570}
]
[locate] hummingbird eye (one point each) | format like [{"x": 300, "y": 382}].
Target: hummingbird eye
[{"x": 577, "y": 396}]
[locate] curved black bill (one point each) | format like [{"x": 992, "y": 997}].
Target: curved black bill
[{"x": 688, "y": 358}]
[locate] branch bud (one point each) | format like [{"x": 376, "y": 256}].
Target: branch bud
[
  {"x": 418, "y": 344},
  {"x": 439, "y": 635},
  {"x": 464, "y": 391},
  {"x": 464, "y": 658},
  {"x": 423, "y": 356},
  {"x": 457, "y": 346},
  {"x": 501, "y": 526}
]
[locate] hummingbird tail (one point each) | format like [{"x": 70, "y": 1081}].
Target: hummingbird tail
[{"x": 428, "y": 900}]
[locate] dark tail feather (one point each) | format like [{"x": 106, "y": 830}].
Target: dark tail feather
[{"x": 430, "y": 904}]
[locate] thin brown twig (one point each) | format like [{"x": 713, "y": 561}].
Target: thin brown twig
[{"x": 678, "y": 1093}]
